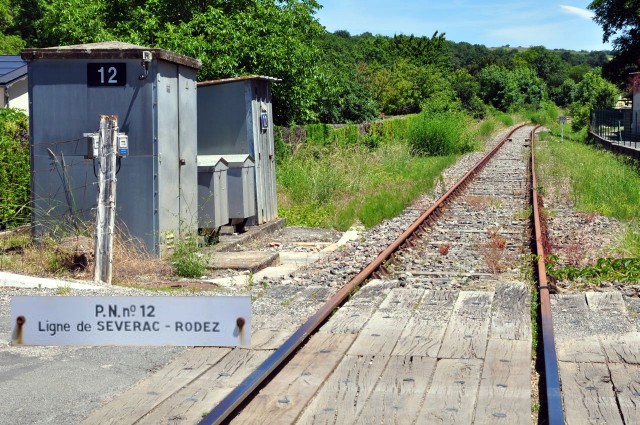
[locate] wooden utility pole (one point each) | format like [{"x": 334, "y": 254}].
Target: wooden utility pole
[{"x": 106, "y": 212}]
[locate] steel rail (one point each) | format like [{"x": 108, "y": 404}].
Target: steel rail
[
  {"x": 554, "y": 399},
  {"x": 238, "y": 395}
]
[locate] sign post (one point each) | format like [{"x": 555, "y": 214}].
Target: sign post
[
  {"x": 563, "y": 119},
  {"x": 106, "y": 210},
  {"x": 199, "y": 321}
]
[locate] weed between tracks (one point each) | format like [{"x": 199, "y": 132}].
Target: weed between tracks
[{"x": 492, "y": 251}]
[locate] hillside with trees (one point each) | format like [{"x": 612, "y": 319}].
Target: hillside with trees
[{"x": 326, "y": 77}]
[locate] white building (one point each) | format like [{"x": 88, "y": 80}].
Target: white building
[{"x": 14, "y": 87}]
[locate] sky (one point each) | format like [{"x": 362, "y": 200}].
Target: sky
[{"x": 556, "y": 25}]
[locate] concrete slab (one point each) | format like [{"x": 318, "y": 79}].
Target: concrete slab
[
  {"x": 235, "y": 241},
  {"x": 21, "y": 281},
  {"x": 299, "y": 258},
  {"x": 289, "y": 262},
  {"x": 245, "y": 260}
]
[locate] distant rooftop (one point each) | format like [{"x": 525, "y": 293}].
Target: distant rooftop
[
  {"x": 234, "y": 79},
  {"x": 108, "y": 50},
  {"x": 12, "y": 67}
]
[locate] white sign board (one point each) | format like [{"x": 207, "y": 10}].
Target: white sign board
[{"x": 201, "y": 321}]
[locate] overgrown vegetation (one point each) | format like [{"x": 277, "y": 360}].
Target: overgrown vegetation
[
  {"x": 14, "y": 168},
  {"x": 335, "y": 186},
  {"x": 597, "y": 182},
  {"x": 341, "y": 176},
  {"x": 605, "y": 269},
  {"x": 187, "y": 260}
]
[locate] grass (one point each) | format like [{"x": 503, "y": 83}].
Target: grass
[
  {"x": 336, "y": 186},
  {"x": 20, "y": 254},
  {"x": 597, "y": 181},
  {"x": 186, "y": 259}
]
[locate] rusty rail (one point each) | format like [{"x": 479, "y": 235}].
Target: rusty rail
[
  {"x": 554, "y": 398},
  {"x": 243, "y": 391}
]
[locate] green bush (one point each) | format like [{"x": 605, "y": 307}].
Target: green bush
[
  {"x": 505, "y": 119},
  {"x": 187, "y": 261},
  {"x": 546, "y": 115},
  {"x": 440, "y": 134},
  {"x": 14, "y": 168}
]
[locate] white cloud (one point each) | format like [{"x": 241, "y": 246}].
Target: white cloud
[{"x": 583, "y": 13}]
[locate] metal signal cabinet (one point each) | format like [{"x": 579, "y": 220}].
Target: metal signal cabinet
[
  {"x": 235, "y": 117},
  {"x": 213, "y": 203},
  {"x": 153, "y": 94},
  {"x": 241, "y": 188}
]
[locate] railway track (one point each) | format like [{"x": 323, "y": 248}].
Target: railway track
[
  {"x": 440, "y": 331},
  {"x": 435, "y": 330}
]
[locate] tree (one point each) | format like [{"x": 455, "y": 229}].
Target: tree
[
  {"x": 10, "y": 42},
  {"x": 546, "y": 63},
  {"x": 532, "y": 88},
  {"x": 620, "y": 21},
  {"x": 232, "y": 38},
  {"x": 499, "y": 88},
  {"x": 565, "y": 94},
  {"x": 591, "y": 93}
]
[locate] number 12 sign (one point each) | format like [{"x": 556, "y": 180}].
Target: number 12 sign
[{"x": 106, "y": 74}]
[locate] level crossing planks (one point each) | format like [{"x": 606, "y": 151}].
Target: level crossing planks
[
  {"x": 626, "y": 381},
  {"x": 286, "y": 396},
  {"x": 424, "y": 331},
  {"x": 147, "y": 394},
  {"x": 504, "y": 396},
  {"x": 380, "y": 334},
  {"x": 466, "y": 334},
  {"x": 452, "y": 394},
  {"x": 511, "y": 312},
  {"x": 588, "y": 395},
  {"x": 343, "y": 396},
  {"x": 188, "y": 402},
  {"x": 598, "y": 358},
  {"x": 397, "y": 397}
]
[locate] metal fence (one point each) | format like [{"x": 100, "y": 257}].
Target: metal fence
[{"x": 620, "y": 126}]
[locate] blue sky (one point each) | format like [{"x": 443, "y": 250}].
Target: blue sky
[{"x": 556, "y": 25}]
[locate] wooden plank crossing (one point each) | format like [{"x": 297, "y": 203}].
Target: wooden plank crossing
[
  {"x": 423, "y": 333},
  {"x": 511, "y": 317},
  {"x": 504, "y": 396},
  {"x": 286, "y": 396},
  {"x": 343, "y": 396},
  {"x": 588, "y": 394},
  {"x": 452, "y": 393},
  {"x": 152, "y": 391},
  {"x": 599, "y": 358},
  {"x": 466, "y": 334},
  {"x": 397, "y": 397},
  {"x": 626, "y": 381},
  {"x": 188, "y": 404}
]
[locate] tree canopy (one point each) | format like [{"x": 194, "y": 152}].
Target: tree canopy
[
  {"x": 326, "y": 77},
  {"x": 620, "y": 21}
]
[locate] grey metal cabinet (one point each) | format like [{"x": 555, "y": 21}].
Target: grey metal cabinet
[
  {"x": 213, "y": 202},
  {"x": 235, "y": 117},
  {"x": 153, "y": 93}
]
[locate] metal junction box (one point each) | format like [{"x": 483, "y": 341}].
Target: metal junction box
[
  {"x": 213, "y": 203},
  {"x": 241, "y": 188},
  {"x": 235, "y": 117},
  {"x": 153, "y": 94}
]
